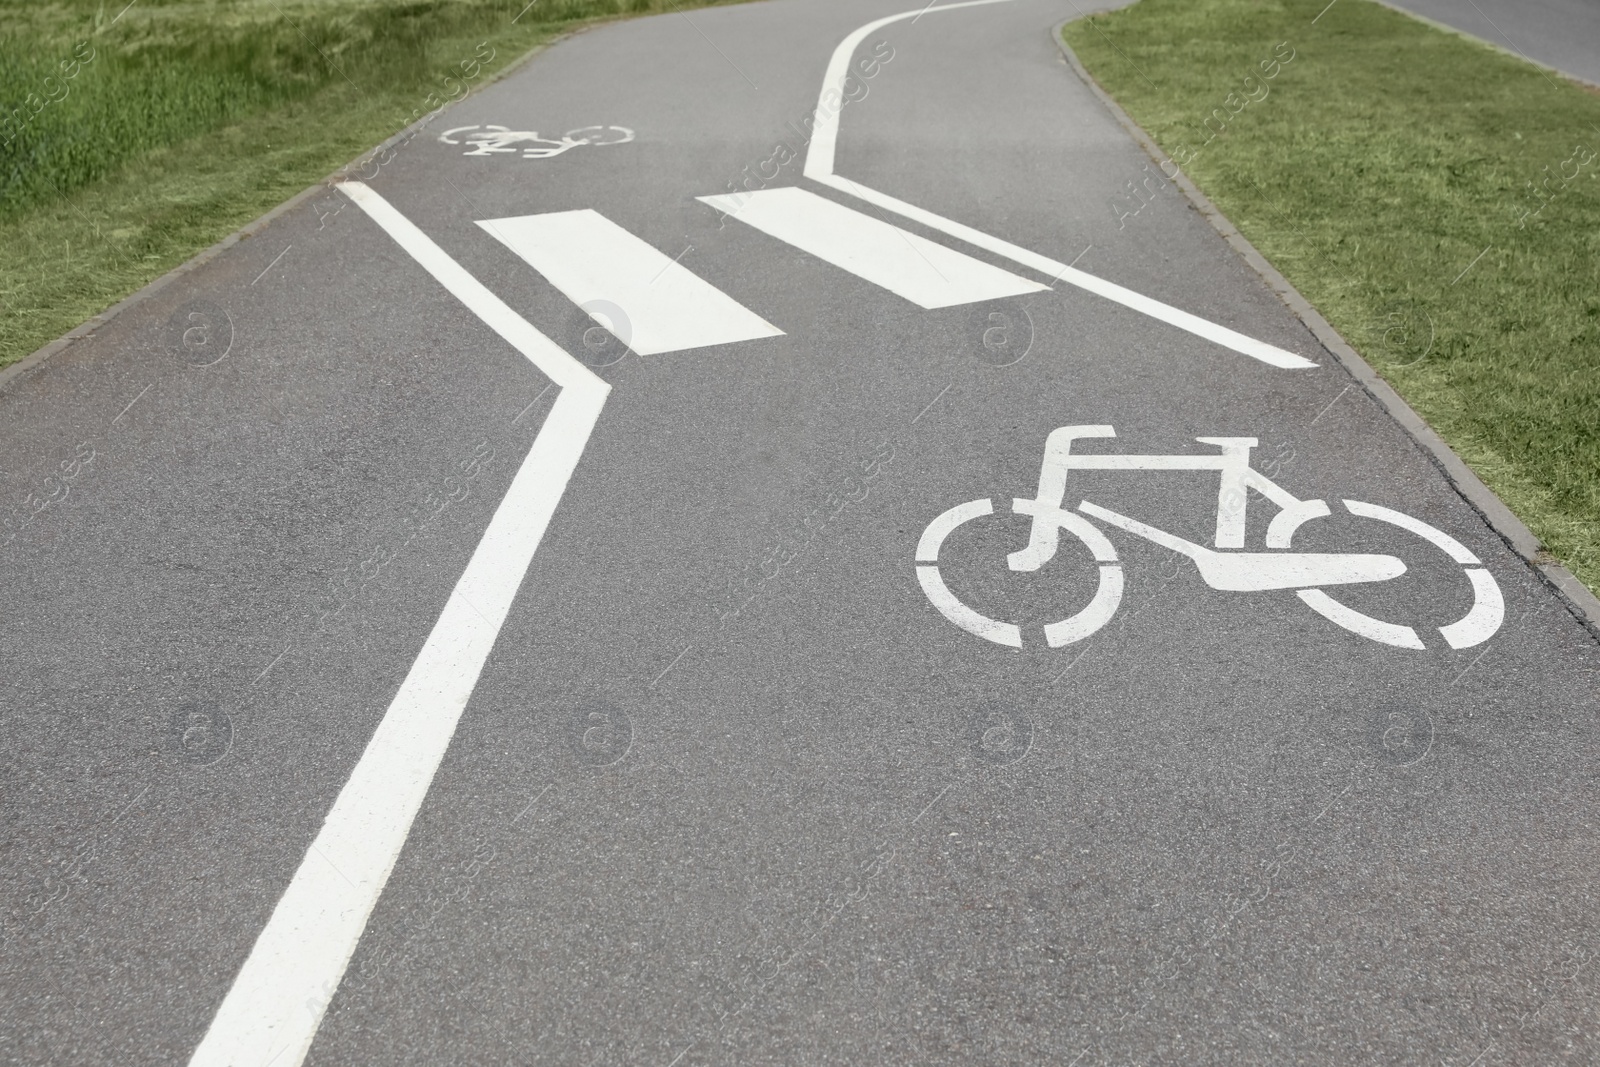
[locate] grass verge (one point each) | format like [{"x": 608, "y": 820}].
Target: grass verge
[
  {"x": 132, "y": 137},
  {"x": 1436, "y": 199}
]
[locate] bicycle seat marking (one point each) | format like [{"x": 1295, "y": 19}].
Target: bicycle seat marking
[
  {"x": 1236, "y": 571},
  {"x": 497, "y": 140}
]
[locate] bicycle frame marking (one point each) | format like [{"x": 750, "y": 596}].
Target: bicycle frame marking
[{"x": 1234, "y": 571}]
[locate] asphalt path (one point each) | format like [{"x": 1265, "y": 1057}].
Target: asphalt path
[
  {"x": 730, "y": 786},
  {"x": 1564, "y": 34}
]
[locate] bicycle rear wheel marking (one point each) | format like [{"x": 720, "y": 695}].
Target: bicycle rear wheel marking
[{"x": 1107, "y": 596}]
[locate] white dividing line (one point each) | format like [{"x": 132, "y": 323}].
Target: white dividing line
[
  {"x": 927, "y": 274},
  {"x": 272, "y": 1012},
  {"x": 819, "y": 168},
  {"x": 655, "y": 304}
]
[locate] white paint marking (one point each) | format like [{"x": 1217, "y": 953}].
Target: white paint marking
[
  {"x": 941, "y": 527},
  {"x": 1249, "y": 572},
  {"x": 593, "y": 260},
  {"x": 1451, "y": 547},
  {"x": 529, "y": 408},
  {"x": 278, "y": 999},
  {"x": 825, "y": 128},
  {"x": 927, "y": 274},
  {"x": 939, "y": 594},
  {"x": 819, "y": 167},
  {"x": 1098, "y": 612},
  {"x": 1364, "y": 625},
  {"x": 1488, "y": 612}
]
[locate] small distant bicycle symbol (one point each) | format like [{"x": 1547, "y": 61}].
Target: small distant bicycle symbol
[
  {"x": 493, "y": 140},
  {"x": 1304, "y": 572}
]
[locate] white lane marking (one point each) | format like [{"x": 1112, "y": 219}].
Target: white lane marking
[
  {"x": 927, "y": 274},
  {"x": 277, "y": 1001},
  {"x": 594, "y": 261},
  {"x": 1366, "y": 626},
  {"x": 825, "y": 128},
  {"x": 1238, "y": 342},
  {"x": 819, "y": 168}
]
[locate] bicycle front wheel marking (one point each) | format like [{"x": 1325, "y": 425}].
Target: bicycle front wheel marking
[{"x": 1479, "y": 624}]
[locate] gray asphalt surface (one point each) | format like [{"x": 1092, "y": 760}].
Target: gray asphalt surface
[
  {"x": 829, "y": 827},
  {"x": 1564, "y": 34}
]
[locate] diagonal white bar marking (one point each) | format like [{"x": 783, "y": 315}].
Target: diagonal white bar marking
[
  {"x": 657, "y": 304},
  {"x": 819, "y": 167},
  {"x": 272, "y": 1012},
  {"x": 927, "y": 274}
]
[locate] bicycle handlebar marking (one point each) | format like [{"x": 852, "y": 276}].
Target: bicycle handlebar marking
[{"x": 1279, "y": 569}]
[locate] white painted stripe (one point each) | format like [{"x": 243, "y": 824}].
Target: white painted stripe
[
  {"x": 272, "y": 1012},
  {"x": 1248, "y": 346},
  {"x": 825, "y": 124},
  {"x": 544, "y": 353},
  {"x": 927, "y": 274},
  {"x": 819, "y": 167},
  {"x": 650, "y": 302}
]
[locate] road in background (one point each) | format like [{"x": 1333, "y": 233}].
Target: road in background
[
  {"x": 1564, "y": 34},
  {"x": 730, "y": 787}
]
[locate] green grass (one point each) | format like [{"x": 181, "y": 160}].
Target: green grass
[
  {"x": 131, "y": 138},
  {"x": 1372, "y": 169}
]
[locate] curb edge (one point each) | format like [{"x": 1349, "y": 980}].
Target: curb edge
[{"x": 1572, "y": 593}]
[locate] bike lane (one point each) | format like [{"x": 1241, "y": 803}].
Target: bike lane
[
  {"x": 731, "y": 790},
  {"x": 753, "y": 799}
]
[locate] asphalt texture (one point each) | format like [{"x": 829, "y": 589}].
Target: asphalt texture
[
  {"x": 1564, "y": 34},
  {"x": 823, "y": 825}
]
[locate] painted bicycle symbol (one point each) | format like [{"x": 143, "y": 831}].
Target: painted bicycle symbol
[
  {"x": 1235, "y": 571},
  {"x": 492, "y": 140}
]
